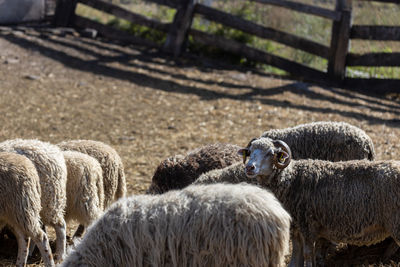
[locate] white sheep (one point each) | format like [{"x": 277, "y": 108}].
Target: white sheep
[
  {"x": 204, "y": 225},
  {"x": 85, "y": 190},
  {"x": 113, "y": 169},
  {"x": 20, "y": 205},
  {"x": 354, "y": 202},
  {"x": 50, "y": 165}
]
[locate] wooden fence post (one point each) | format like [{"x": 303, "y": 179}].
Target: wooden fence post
[
  {"x": 178, "y": 32},
  {"x": 340, "y": 41},
  {"x": 65, "y": 11}
]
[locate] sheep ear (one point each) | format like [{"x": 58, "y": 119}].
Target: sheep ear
[{"x": 244, "y": 152}]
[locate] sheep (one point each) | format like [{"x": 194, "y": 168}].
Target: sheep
[
  {"x": 50, "y": 165},
  {"x": 179, "y": 171},
  {"x": 334, "y": 141},
  {"x": 20, "y": 205},
  {"x": 203, "y": 225},
  {"x": 113, "y": 169},
  {"x": 232, "y": 174},
  {"x": 85, "y": 190},
  {"x": 354, "y": 202}
]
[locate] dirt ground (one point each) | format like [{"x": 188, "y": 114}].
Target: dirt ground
[{"x": 56, "y": 86}]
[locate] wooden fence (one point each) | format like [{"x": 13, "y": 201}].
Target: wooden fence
[{"x": 337, "y": 55}]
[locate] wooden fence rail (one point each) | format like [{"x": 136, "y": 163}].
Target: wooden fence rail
[
  {"x": 378, "y": 33},
  {"x": 263, "y": 32},
  {"x": 313, "y": 10},
  {"x": 337, "y": 54}
]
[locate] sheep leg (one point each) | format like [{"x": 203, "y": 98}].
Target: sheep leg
[
  {"x": 79, "y": 231},
  {"x": 61, "y": 242},
  {"x": 23, "y": 243},
  {"x": 42, "y": 242},
  {"x": 391, "y": 250},
  {"x": 393, "y": 247},
  {"x": 297, "y": 258},
  {"x": 322, "y": 249},
  {"x": 32, "y": 245},
  {"x": 309, "y": 254}
]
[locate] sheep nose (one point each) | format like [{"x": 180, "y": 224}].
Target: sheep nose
[{"x": 250, "y": 168}]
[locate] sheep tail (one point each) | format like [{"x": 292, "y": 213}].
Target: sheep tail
[
  {"x": 121, "y": 187},
  {"x": 371, "y": 154}
]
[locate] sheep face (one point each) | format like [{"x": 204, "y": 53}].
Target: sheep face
[{"x": 266, "y": 155}]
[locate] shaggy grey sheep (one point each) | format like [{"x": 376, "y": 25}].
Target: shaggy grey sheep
[
  {"x": 85, "y": 190},
  {"x": 113, "y": 169},
  {"x": 20, "y": 205},
  {"x": 205, "y": 225},
  {"x": 333, "y": 141},
  {"x": 50, "y": 165},
  {"x": 232, "y": 174},
  {"x": 354, "y": 202},
  {"x": 179, "y": 171}
]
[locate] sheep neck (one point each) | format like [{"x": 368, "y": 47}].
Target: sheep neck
[{"x": 280, "y": 182}]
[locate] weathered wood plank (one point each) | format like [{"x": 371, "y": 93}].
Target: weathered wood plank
[
  {"x": 373, "y": 32},
  {"x": 296, "y": 69},
  {"x": 313, "y": 10},
  {"x": 111, "y": 33},
  {"x": 50, "y": 7},
  {"x": 261, "y": 31},
  {"x": 340, "y": 41},
  {"x": 383, "y": 1},
  {"x": 125, "y": 14},
  {"x": 65, "y": 11},
  {"x": 374, "y": 59},
  {"x": 169, "y": 3},
  {"x": 178, "y": 32},
  {"x": 371, "y": 85}
]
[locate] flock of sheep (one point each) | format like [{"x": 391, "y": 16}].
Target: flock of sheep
[
  {"x": 46, "y": 184},
  {"x": 317, "y": 184}
]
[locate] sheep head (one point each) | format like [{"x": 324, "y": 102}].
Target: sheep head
[
  {"x": 245, "y": 152},
  {"x": 266, "y": 155}
]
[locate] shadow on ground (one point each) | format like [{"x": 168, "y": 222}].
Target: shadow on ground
[{"x": 102, "y": 54}]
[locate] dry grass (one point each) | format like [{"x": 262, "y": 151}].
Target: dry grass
[{"x": 147, "y": 106}]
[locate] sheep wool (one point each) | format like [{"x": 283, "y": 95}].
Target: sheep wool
[
  {"x": 333, "y": 141},
  {"x": 85, "y": 190},
  {"x": 113, "y": 169},
  {"x": 50, "y": 165},
  {"x": 179, "y": 171},
  {"x": 347, "y": 201},
  {"x": 201, "y": 225},
  {"x": 232, "y": 174},
  {"x": 20, "y": 205}
]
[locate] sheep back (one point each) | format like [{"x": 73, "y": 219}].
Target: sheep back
[
  {"x": 50, "y": 165},
  {"x": 20, "y": 191},
  {"x": 179, "y": 171},
  {"x": 113, "y": 169},
  {"x": 232, "y": 174},
  {"x": 85, "y": 190},
  {"x": 201, "y": 225},
  {"x": 333, "y": 141}
]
